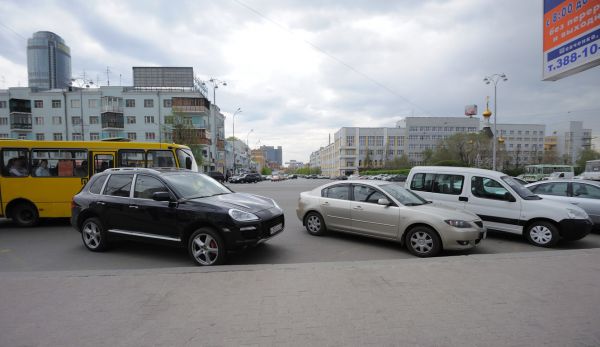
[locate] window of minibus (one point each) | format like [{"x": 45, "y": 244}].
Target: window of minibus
[
  {"x": 132, "y": 158},
  {"x": 59, "y": 163},
  {"x": 15, "y": 162},
  {"x": 161, "y": 158},
  {"x": 103, "y": 162},
  {"x": 186, "y": 159}
]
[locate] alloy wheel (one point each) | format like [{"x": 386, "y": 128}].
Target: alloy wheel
[
  {"x": 421, "y": 242},
  {"x": 91, "y": 235},
  {"x": 313, "y": 223},
  {"x": 205, "y": 249}
]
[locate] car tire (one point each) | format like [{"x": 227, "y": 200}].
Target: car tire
[
  {"x": 206, "y": 247},
  {"x": 423, "y": 242},
  {"x": 315, "y": 225},
  {"x": 542, "y": 234},
  {"x": 93, "y": 235},
  {"x": 25, "y": 215}
]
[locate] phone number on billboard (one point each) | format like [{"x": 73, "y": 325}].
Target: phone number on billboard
[{"x": 572, "y": 58}]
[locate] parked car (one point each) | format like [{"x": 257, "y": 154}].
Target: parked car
[
  {"x": 502, "y": 203},
  {"x": 341, "y": 178},
  {"x": 583, "y": 193},
  {"x": 388, "y": 211},
  {"x": 292, "y": 176},
  {"x": 236, "y": 179},
  {"x": 276, "y": 178},
  {"x": 217, "y": 176},
  {"x": 251, "y": 177},
  {"x": 395, "y": 178},
  {"x": 174, "y": 206}
]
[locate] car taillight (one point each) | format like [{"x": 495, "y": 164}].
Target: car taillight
[{"x": 73, "y": 204}]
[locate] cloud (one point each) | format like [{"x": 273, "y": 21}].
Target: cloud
[{"x": 300, "y": 70}]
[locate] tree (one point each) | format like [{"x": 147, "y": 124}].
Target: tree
[
  {"x": 180, "y": 128},
  {"x": 550, "y": 156},
  {"x": 470, "y": 149},
  {"x": 265, "y": 170},
  {"x": 585, "y": 155}
]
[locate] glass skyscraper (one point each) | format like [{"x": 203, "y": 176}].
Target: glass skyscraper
[{"x": 48, "y": 61}]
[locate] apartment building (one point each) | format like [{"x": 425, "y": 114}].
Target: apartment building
[{"x": 523, "y": 143}]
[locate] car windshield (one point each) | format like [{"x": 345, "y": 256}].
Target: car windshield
[
  {"x": 523, "y": 192},
  {"x": 195, "y": 185},
  {"x": 404, "y": 196}
]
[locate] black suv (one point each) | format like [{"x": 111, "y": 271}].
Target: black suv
[
  {"x": 251, "y": 177},
  {"x": 173, "y": 206}
]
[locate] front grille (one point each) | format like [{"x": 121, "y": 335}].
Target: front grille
[{"x": 479, "y": 224}]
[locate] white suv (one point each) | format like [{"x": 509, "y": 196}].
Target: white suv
[{"x": 502, "y": 203}]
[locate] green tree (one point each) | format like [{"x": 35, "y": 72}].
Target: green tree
[
  {"x": 265, "y": 170},
  {"x": 180, "y": 128},
  {"x": 585, "y": 155}
]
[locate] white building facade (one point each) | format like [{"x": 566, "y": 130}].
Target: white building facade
[{"x": 109, "y": 112}]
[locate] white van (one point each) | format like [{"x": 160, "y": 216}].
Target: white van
[{"x": 501, "y": 202}]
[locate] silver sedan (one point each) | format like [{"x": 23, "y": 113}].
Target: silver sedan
[
  {"x": 583, "y": 193},
  {"x": 386, "y": 210}
]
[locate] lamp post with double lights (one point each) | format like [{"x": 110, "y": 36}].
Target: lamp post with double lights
[
  {"x": 239, "y": 110},
  {"x": 215, "y": 84},
  {"x": 495, "y": 78}
]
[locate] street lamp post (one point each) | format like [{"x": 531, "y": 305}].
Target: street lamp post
[
  {"x": 215, "y": 84},
  {"x": 495, "y": 78},
  {"x": 239, "y": 110},
  {"x": 248, "y": 146}
]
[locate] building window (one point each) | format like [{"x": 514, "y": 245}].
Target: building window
[
  {"x": 150, "y": 136},
  {"x": 129, "y": 102},
  {"x": 38, "y": 104},
  {"x": 3, "y": 120},
  {"x": 94, "y": 136},
  {"x": 77, "y": 137},
  {"x": 167, "y": 103},
  {"x": 93, "y": 103},
  {"x": 149, "y": 119},
  {"x": 22, "y": 136},
  {"x": 76, "y": 103},
  {"x": 56, "y": 104},
  {"x": 38, "y": 120},
  {"x": 3, "y": 136},
  {"x": 40, "y": 137},
  {"x": 148, "y": 103},
  {"x": 57, "y": 136},
  {"x": 76, "y": 120},
  {"x": 130, "y": 119},
  {"x": 94, "y": 119},
  {"x": 56, "y": 120},
  {"x": 2, "y": 104},
  {"x": 132, "y": 136},
  {"x": 349, "y": 140}
]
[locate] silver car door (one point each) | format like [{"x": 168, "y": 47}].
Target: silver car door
[
  {"x": 335, "y": 204},
  {"x": 368, "y": 217}
]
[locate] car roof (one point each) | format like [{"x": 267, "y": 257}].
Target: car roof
[
  {"x": 158, "y": 170},
  {"x": 568, "y": 180},
  {"x": 363, "y": 182},
  {"x": 457, "y": 169}
]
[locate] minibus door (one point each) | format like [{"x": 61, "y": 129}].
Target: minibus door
[{"x": 102, "y": 161}]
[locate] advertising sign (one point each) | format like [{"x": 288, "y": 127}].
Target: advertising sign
[{"x": 571, "y": 37}]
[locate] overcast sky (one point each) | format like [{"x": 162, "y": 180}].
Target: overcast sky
[{"x": 300, "y": 70}]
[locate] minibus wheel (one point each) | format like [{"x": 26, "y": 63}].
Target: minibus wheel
[{"x": 24, "y": 214}]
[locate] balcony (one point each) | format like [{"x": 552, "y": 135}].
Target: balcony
[
  {"x": 111, "y": 120},
  {"x": 112, "y": 104},
  {"x": 190, "y": 105},
  {"x": 112, "y": 108},
  {"x": 192, "y": 136},
  {"x": 20, "y": 121},
  {"x": 221, "y": 145}
]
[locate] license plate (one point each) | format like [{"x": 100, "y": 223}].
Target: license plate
[{"x": 276, "y": 228}]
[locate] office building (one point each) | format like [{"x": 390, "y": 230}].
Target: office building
[
  {"x": 273, "y": 155},
  {"x": 48, "y": 61}
]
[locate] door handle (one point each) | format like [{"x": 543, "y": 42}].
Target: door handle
[
  {"x": 463, "y": 198},
  {"x": 357, "y": 208},
  {"x": 325, "y": 203},
  {"x": 101, "y": 203},
  {"x": 134, "y": 206}
]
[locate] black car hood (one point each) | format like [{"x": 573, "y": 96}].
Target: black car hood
[{"x": 243, "y": 201}]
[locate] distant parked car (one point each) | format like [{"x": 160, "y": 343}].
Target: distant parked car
[
  {"x": 172, "y": 206},
  {"x": 395, "y": 178},
  {"x": 217, "y": 176},
  {"x": 583, "y": 193},
  {"x": 341, "y": 178},
  {"x": 388, "y": 211},
  {"x": 236, "y": 179},
  {"x": 292, "y": 176},
  {"x": 251, "y": 177},
  {"x": 276, "y": 178}
]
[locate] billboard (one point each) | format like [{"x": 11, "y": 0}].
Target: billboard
[
  {"x": 163, "y": 77},
  {"x": 571, "y": 37},
  {"x": 470, "y": 110}
]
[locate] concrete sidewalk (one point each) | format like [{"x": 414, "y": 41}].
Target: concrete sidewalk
[{"x": 519, "y": 299}]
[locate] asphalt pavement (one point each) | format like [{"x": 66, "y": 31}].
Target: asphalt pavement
[{"x": 55, "y": 246}]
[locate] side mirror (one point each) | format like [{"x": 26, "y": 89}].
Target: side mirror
[
  {"x": 383, "y": 201},
  {"x": 508, "y": 197},
  {"x": 161, "y": 196},
  {"x": 188, "y": 163}
]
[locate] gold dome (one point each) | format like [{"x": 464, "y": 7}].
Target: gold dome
[{"x": 500, "y": 139}]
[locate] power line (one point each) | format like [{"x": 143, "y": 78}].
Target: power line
[
  {"x": 13, "y": 31},
  {"x": 332, "y": 57}
]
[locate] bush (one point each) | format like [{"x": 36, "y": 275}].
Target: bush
[
  {"x": 449, "y": 163},
  {"x": 514, "y": 172},
  {"x": 385, "y": 171}
]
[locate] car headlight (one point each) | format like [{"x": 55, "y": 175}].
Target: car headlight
[
  {"x": 242, "y": 216},
  {"x": 577, "y": 214},
  {"x": 457, "y": 223}
]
